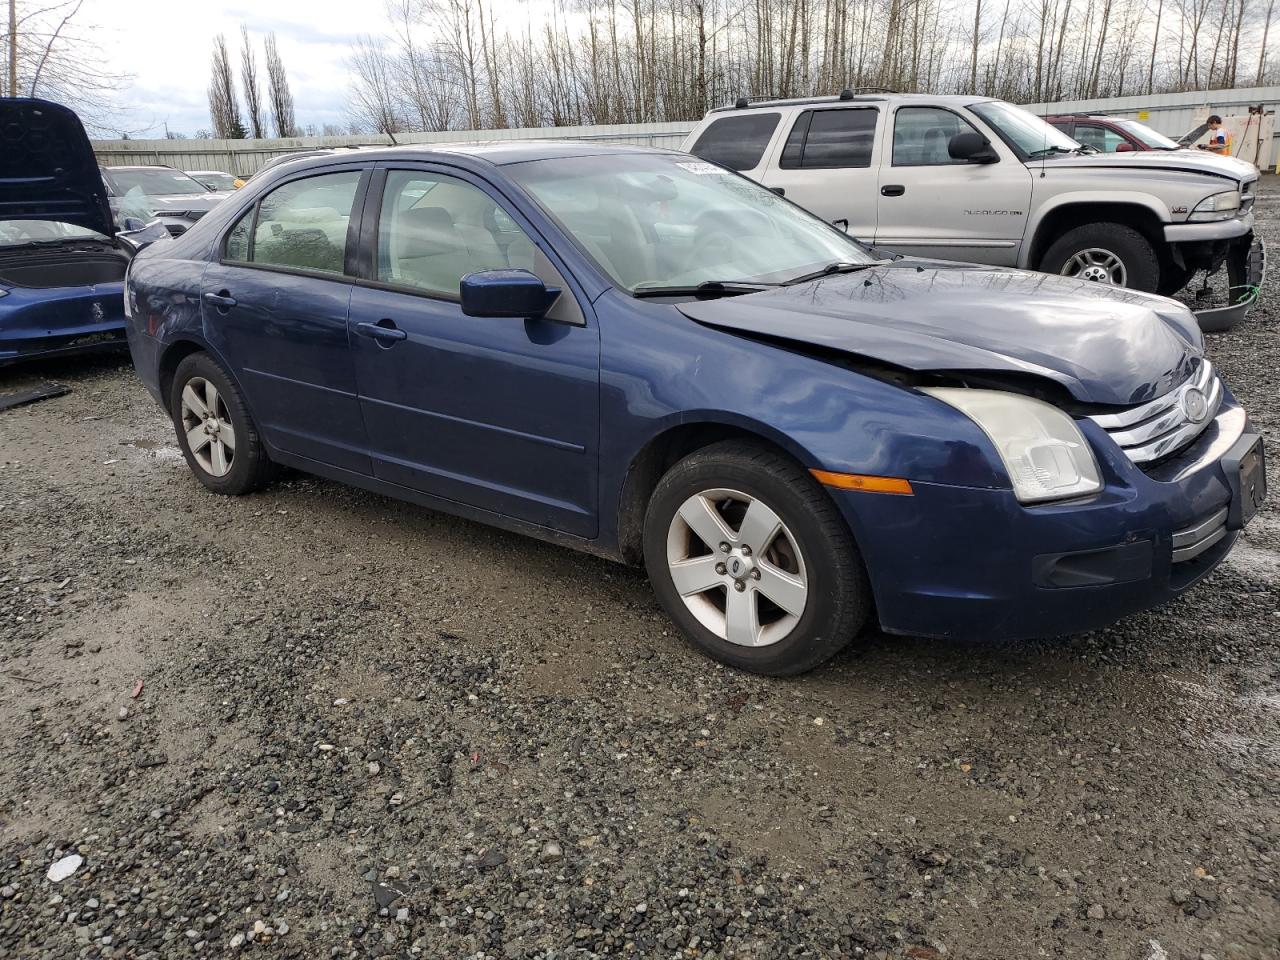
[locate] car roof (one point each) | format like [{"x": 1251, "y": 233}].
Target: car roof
[
  {"x": 953, "y": 99},
  {"x": 142, "y": 166},
  {"x": 494, "y": 152}
]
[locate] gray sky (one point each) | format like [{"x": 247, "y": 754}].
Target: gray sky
[{"x": 167, "y": 44}]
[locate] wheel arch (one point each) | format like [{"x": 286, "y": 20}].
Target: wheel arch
[
  {"x": 668, "y": 446},
  {"x": 178, "y": 350},
  {"x": 1142, "y": 213}
]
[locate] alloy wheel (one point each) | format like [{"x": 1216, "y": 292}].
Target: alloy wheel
[
  {"x": 207, "y": 424},
  {"x": 737, "y": 567},
  {"x": 1098, "y": 265}
]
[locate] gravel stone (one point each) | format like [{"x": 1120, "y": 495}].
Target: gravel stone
[{"x": 338, "y": 686}]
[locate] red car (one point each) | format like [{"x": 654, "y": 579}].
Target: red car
[{"x": 1111, "y": 134}]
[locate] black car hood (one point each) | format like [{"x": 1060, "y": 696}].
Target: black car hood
[
  {"x": 1103, "y": 344},
  {"x": 47, "y": 167}
]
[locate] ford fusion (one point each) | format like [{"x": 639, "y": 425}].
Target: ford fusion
[{"x": 649, "y": 357}]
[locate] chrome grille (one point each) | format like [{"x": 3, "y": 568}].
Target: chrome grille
[{"x": 1154, "y": 430}]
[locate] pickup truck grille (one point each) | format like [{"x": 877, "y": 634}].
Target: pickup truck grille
[{"x": 1154, "y": 430}]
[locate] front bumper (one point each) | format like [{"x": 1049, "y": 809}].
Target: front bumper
[
  {"x": 974, "y": 563},
  {"x": 1209, "y": 230},
  {"x": 1246, "y": 262},
  {"x": 57, "y": 321}
]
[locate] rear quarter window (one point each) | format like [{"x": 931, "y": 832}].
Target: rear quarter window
[{"x": 737, "y": 142}]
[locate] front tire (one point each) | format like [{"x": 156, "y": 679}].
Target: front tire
[
  {"x": 1109, "y": 253},
  {"x": 215, "y": 432},
  {"x": 750, "y": 558}
]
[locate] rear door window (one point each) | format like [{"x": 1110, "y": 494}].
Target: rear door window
[
  {"x": 301, "y": 225},
  {"x": 830, "y": 139},
  {"x": 737, "y": 142}
]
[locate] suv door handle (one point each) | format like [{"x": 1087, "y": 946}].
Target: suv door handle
[
  {"x": 222, "y": 299},
  {"x": 384, "y": 331},
  {"x": 893, "y": 190}
]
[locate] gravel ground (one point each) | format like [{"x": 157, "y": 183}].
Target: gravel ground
[{"x": 314, "y": 722}]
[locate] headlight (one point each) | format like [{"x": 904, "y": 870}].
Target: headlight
[
  {"x": 3, "y": 292},
  {"x": 1042, "y": 448},
  {"x": 1220, "y": 206}
]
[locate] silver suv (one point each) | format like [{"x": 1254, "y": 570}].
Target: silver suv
[{"x": 975, "y": 179}]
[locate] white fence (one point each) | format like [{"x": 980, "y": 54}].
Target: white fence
[
  {"x": 1172, "y": 114},
  {"x": 243, "y": 157}
]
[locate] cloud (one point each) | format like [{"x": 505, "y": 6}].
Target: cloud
[{"x": 165, "y": 47}]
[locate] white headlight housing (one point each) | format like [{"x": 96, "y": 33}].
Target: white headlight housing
[
  {"x": 1042, "y": 448},
  {"x": 1220, "y": 206}
]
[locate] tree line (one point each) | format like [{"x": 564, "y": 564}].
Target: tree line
[
  {"x": 464, "y": 64},
  {"x": 256, "y": 120}
]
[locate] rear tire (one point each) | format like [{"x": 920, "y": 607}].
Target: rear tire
[
  {"x": 790, "y": 591},
  {"x": 216, "y": 432},
  {"x": 1106, "y": 253}
]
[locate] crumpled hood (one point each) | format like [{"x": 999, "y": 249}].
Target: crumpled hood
[
  {"x": 1103, "y": 344},
  {"x": 1186, "y": 161},
  {"x": 47, "y": 167}
]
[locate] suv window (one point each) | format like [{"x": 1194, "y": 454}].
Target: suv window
[
  {"x": 737, "y": 142},
  {"x": 921, "y": 136},
  {"x": 828, "y": 139},
  {"x": 1099, "y": 137},
  {"x": 434, "y": 229},
  {"x": 301, "y": 225}
]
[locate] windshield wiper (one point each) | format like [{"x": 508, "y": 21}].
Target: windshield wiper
[
  {"x": 708, "y": 288},
  {"x": 839, "y": 266},
  {"x": 1047, "y": 151}
]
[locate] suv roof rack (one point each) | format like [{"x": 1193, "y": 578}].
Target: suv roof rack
[{"x": 848, "y": 93}]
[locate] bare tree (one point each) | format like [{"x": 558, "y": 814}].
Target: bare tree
[
  {"x": 279, "y": 96},
  {"x": 50, "y": 51},
  {"x": 224, "y": 106},
  {"x": 249, "y": 80}
]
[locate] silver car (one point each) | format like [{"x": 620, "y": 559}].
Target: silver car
[
  {"x": 980, "y": 180},
  {"x": 157, "y": 192}
]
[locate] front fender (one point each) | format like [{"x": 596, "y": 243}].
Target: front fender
[{"x": 1044, "y": 209}]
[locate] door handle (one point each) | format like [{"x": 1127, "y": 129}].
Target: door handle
[
  {"x": 223, "y": 299},
  {"x": 384, "y": 331},
  {"x": 893, "y": 190},
  {"x": 780, "y": 191}
]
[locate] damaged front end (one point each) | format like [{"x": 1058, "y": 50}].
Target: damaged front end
[{"x": 1245, "y": 259}]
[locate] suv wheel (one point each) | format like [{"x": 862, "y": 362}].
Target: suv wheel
[
  {"x": 751, "y": 559},
  {"x": 215, "y": 432},
  {"x": 1109, "y": 253}
]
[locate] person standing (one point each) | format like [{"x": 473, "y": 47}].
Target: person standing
[{"x": 1219, "y": 138}]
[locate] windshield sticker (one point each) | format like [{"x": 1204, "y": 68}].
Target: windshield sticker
[{"x": 701, "y": 168}]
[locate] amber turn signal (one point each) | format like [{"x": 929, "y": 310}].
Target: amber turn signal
[{"x": 858, "y": 481}]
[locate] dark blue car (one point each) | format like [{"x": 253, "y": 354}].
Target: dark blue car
[
  {"x": 61, "y": 266},
  {"x": 644, "y": 355}
]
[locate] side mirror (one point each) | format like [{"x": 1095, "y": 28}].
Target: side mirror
[
  {"x": 1124, "y": 147},
  {"x": 506, "y": 293},
  {"x": 137, "y": 234},
  {"x": 971, "y": 147}
]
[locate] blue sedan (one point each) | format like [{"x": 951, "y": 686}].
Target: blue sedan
[
  {"x": 644, "y": 355},
  {"x": 61, "y": 266}
]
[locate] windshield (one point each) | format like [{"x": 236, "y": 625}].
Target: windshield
[
  {"x": 652, "y": 220},
  {"x": 216, "y": 181},
  {"x": 17, "y": 232},
  {"x": 1024, "y": 131},
  {"x": 1157, "y": 141},
  {"x": 157, "y": 182}
]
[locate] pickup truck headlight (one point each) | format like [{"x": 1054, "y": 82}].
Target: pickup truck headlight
[
  {"x": 1220, "y": 206},
  {"x": 1042, "y": 448}
]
